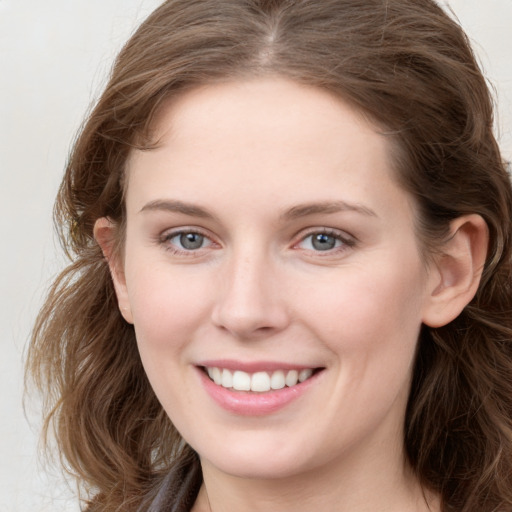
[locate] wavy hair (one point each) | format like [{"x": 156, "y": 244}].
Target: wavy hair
[{"x": 409, "y": 67}]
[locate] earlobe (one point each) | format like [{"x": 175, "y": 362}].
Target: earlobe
[
  {"x": 104, "y": 234},
  {"x": 458, "y": 269}
]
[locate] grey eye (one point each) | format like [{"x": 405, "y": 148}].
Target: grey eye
[
  {"x": 323, "y": 242},
  {"x": 191, "y": 241}
]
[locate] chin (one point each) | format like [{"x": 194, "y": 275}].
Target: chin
[
  {"x": 261, "y": 460},
  {"x": 269, "y": 469}
]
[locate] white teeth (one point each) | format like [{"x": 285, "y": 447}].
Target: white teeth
[
  {"x": 277, "y": 380},
  {"x": 259, "y": 382},
  {"x": 241, "y": 381},
  {"x": 292, "y": 378},
  {"x": 217, "y": 376},
  {"x": 227, "y": 379},
  {"x": 305, "y": 374}
]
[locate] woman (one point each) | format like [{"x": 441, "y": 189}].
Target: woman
[{"x": 289, "y": 225}]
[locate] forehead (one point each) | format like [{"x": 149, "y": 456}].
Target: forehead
[
  {"x": 263, "y": 137},
  {"x": 254, "y": 105}
]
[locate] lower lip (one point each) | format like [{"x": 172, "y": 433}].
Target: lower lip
[{"x": 246, "y": 403}]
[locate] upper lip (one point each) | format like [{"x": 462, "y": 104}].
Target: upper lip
[{"x": 254, "y": 366}]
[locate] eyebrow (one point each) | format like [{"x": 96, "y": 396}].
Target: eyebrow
[
  {"x": 177, "y": 207},
  {"x": 326, "y": 207},
  {"x": 298, "y": 211}
]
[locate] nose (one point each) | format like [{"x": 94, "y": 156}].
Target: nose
[{"x": 251, "y": 299}]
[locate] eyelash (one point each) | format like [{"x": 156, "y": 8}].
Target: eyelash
[
  {"x": 346, "y": 241},
  {"x": 165, "y": 240}
]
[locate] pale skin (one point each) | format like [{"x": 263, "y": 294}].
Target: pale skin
[{"x": 301, "y": 250}]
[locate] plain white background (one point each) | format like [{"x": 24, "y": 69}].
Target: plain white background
[{"x": 54, "y": 58}]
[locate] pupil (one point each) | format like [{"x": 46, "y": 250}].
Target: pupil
[
  {"x": 323, "y": 242},
  {"x": 191, "y": 240}
]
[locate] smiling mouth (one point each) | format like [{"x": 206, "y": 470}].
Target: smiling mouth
[{"x": 259, "y": 382}]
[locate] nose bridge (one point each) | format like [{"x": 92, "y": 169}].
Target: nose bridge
[{"x": 249, "y": 303}]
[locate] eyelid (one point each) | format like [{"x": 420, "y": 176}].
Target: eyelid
[
  {"x": 165, "y": 237},
  {"x": 348, "y": 241}
]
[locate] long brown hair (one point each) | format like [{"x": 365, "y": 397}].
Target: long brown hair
[{"x": 409, "y": 68}]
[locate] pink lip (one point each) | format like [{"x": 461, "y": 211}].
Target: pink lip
[
  {"x": 252, "y": 367},
  {"x": 245, "y": 403}
]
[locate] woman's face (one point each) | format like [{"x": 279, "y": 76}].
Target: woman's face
[{"x": 268, "y": 242}]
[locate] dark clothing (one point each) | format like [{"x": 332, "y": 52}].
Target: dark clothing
[{"x": 179, "y": 489}]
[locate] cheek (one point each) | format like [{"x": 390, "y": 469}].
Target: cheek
[
  {"x": 169, "y": 310},
  {"x": 368, "y": 309},
  {"x": 167, "y": 306}
]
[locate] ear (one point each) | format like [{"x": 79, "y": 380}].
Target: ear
[
  {"x": 104, "y": 233},
  {"x": 456, "y": 272}
]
